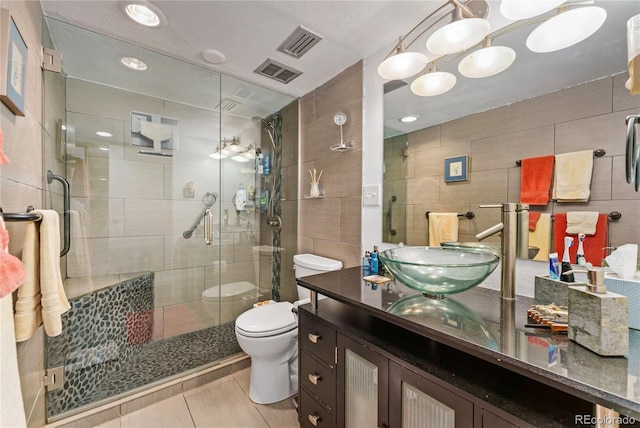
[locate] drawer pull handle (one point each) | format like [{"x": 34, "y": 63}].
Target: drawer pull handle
[
  {"x": 314, "y": 337},
  {"x": 314, "y": 378},
  {"x": 314, "y": 419}
]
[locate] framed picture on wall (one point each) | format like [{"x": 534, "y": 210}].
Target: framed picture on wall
[
  {"x": 456, "y": 168},
  {"x": 13, "y": 64}
]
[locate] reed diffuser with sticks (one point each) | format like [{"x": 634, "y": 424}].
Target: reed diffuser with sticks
[{"x": 315, "y": 183}]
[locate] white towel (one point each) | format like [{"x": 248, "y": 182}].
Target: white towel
[
  {"x": 41, "y": 299},
  {"x": 582, "y": 222},
  {"x": 443, "y": 227},
  {"x": 12, "y": 411},
  {"x": 572, "y": 178}
]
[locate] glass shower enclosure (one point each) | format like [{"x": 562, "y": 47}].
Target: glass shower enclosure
[{"x": 169, "y": 238}]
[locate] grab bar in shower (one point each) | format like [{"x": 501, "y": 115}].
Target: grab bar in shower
[
  {"x": 66, "y": 195},
  {"x": 392, "y": 231},
  {"x": 208, "y": 200}
]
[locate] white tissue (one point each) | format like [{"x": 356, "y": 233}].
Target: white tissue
[{"x": 623, "y": 260}]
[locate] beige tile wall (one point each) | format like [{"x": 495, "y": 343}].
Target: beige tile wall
[
  {"x": 331, "y": 226},
  {"x": 586, "y": 117},
  {"x": 22, "y": 184}
]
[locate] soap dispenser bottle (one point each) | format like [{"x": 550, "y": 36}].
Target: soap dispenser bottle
[
  {"x": 565, "y": 270},
  {"x": 598, "y": 319},
  {"x": 241, "y": 198}
]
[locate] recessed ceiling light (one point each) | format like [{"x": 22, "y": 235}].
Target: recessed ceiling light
[
  {"x": 104, "y": 134},
  {"x": 410, "y": 118},
  {"x": 133, "y": 63},
  {"x": 144, "y": 13},
  {"x": 213, "y": 56}
]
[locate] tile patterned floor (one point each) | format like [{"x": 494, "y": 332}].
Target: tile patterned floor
[{"x": 223, "y": 403}]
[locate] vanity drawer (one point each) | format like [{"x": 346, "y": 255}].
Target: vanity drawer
[
  {"x": 317, "y": 338},
  {"x": 318, "y": 379},
  {"x": 313, "y": 414}
]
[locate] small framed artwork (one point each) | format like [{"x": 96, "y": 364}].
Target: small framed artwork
[
  {"x": 456, "y": 168},
  {"x": 13, "y": 64}
]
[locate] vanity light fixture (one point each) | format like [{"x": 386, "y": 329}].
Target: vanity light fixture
[
  {"x": 469, "y": 28},
  {"x": 402, "y": 64},
  {"x": 133, "y": 63},
  {"x": 104, "y": 149},
  {"x": 232, "y": 145},
  {"x": 144, "y": 13},
  {"x": 410, "y": 118},
  {"x": 104, "y": 134},
  {"x": 487, "y": 61},
  {"x": 433, "y": 83},
  {"x": 460, "y": 34},
  {"x": 566, "y": 29}
]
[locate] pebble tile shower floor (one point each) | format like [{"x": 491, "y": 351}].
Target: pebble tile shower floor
[{"x": 106, "y": 346}]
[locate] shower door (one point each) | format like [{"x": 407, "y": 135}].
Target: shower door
[{"x": 154, "y": 292}]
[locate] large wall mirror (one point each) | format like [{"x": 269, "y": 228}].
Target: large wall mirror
[{"x": 570, "y": 100}]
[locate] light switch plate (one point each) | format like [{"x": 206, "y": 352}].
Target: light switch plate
[{"x": 371, "y": 195}]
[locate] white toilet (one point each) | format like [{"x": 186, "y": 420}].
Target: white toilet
[{"x": 269, "y": 335}]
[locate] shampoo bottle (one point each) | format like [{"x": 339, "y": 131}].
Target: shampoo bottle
[
  {"x": 264, "y": 197},
  {"x": 260, "y": 163},
  {"x": 566, "y": 261},
  {"x": 241, "y": 198},
  {"x": 374, "y": 263},
  {"x": 267, "y": 163}
]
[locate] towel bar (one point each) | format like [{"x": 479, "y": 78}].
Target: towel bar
[
  {"x": 597, "y": 153},
  {"x": 27, "y": 216},
  {"x": 468, "y": 215},
  {"x": 613, "y": 215}
]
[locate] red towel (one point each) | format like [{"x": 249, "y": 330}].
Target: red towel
[
  {"x": 533, "y": 220},
  {"x": 535, "y": 180},
  {"x": 593, "y": 245}
]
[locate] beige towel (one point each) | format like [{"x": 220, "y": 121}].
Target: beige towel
[
  {"x": 443, "y": 227},
  {"x": 582, "y": 222},
  {"x": 41, "y": 299},
  {"x": 572, "y": 178},
  {"x": 541, "y": 237},
  {"x": 12, "y": 412}
]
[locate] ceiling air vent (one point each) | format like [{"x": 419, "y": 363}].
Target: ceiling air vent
[
  {"x": 277, "y": 71},
  {"x": 299, "y": 42},
  {"x": 227, "y": 105}
]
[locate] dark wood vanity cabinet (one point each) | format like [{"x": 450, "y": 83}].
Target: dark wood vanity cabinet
[
  {"x": 346, "y": 381},
  {"x": 316, "y": 372}
]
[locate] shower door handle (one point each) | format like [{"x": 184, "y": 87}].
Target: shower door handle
[{"x": 208, "y": 227}]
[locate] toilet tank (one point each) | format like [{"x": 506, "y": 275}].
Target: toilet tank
[{"x": 310, "y": 264}]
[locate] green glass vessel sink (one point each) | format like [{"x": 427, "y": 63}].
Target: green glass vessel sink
[
  {"x": 438, "y": 272},
  {"x": 486, "y": 246}
]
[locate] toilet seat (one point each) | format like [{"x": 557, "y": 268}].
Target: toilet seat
[{"x": 267, "y": 320}]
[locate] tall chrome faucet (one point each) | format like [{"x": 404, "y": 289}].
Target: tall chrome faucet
[{"x": 514, "y": 229}]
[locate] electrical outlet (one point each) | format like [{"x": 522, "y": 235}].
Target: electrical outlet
[{"x": 371, "y": 195}]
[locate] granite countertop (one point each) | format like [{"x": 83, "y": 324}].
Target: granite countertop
[{"x": 480, "y": 323}]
